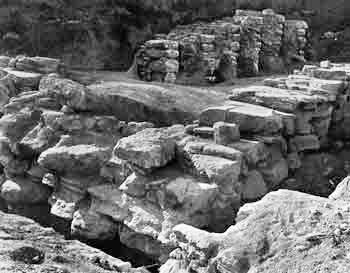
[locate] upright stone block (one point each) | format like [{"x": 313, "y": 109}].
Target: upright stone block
[{"x": 225, "y": 133}]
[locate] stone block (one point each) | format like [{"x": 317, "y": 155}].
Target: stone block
[
  {"x": 275, "y": 172},
  {"x": 304, "y": 143},
  {"x": 225, "y": 133},
  {"x": 150, "y": 148},
  {"x": 253, "y": 186},
  {"x": 329, "y": 74},
  {"x": 205, "y": 132},
  {"x": 212, "y": 115},
  {"x": 254, "y": 151},
  {"x": 254, "y": 119}
]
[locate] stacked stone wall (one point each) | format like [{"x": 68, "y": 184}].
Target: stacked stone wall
[
  {"x": 209, "y": 47},
  {"x": 157, "y": 60},
  {"x": 250, "y": 42},
  {"x": 295, "y": 40},
  {"x": 244, "y": 45}
]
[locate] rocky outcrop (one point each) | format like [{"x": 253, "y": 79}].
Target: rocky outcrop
[
  {"x": 27, "y": 246},
  {"x": 285, "y": 231}
]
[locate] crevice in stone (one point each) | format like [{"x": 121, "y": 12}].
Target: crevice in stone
[{"x": 41, "y": 214}]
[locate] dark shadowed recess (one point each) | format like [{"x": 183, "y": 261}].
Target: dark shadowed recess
[{"x": 41, "y": 214}]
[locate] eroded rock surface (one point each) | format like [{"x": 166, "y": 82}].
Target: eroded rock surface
[
  {"x": 26, "y": 246},
  {"x": 286, "y": 232}
]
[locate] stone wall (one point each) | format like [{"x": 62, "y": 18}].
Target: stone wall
[
  {"x": 247, "y": 44},
  {"x": 208, "y": 47},
  {"x": 157, "y": 60},
  {"x": 295, "y": 40}
]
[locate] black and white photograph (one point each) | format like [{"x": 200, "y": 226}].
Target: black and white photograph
[{"x": 174, "y": 136}]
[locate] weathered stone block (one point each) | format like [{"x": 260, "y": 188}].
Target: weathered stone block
[
  {"x": 275, "y": 172},
  {"x": 150, "y": 148},
  {"x": 253, "y": 186},
  {"x": 225, "y": 133},
  {"x": 304, "y": 143},
  {"x": 254, "y": 151}
]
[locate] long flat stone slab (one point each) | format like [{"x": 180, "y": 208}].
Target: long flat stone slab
[
  {"x": 250, "y": 118},
  {"x": 284, "y": 100}
]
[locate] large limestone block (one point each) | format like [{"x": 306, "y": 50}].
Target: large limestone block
[
  {"x": 288, "y": 121},
  {"x": 334, "y": 87},
  {"x": 191, "y": 194},
  {"x": 193, "y": 146},
  {"x": 221, "y": 171},
  {"x": 38, "y": 64},
  {"x": 115, "y": 170},
  {"x": 250, "y": 118},
  {"x": 135, "y": 185},
  {"x": 150, "y": 148},
  {"x": 278, "y": 98},
  {"x": 304, "y": 143},
  {"x": 16, "y": 125},
  {"x": 68, "y": 192},
  {"x": 93, "y": 226},
  {"x": 170, "y": 188},
  {"x": 253, "y": 186},
  {"x": 24, "y": 81},
  {"x": 84, "y": 159},
  {"x": 254, "y": 119},
  {"x": 222, "y": 151},
  {"x": 275, "y": 172},
  {"x": 212, "y": 115},
  {"x": 253, "y": 151},
  {"x": 23, "y": 191},
  {"x": 38, "y": 140}
]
